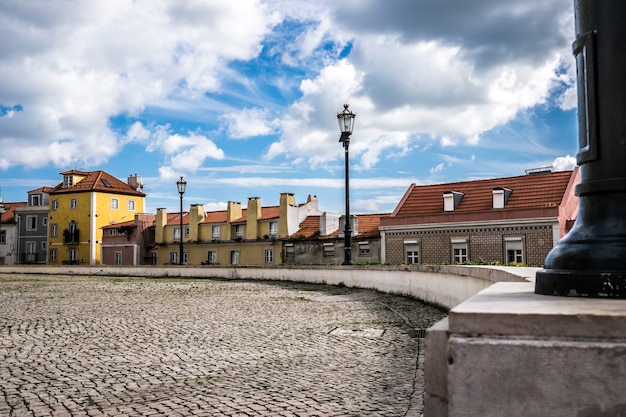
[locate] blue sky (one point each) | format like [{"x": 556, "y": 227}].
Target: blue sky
[{"x": 241, "y": 97}]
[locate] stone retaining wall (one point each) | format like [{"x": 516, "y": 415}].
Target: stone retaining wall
[{"x": 444, "y": 285}]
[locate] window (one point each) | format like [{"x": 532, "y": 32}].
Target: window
[
  {"x": 3, "y": 237},
  {"x": 459, "y": 251},
  {"x": 54, "y": 230},
  {"x": 185, "y": 258},
  {"x": 72, "y": 255},
  {"x": 273, "y": 229},
  {"x": 55, "y": 204},
  {"x": 364, "y": 249},
  {"x": 115, "y": 204},
  {"x": 35, "y": 200},
  {"x": 112, "y": 232},
  {"x": 239, "y": 230},
  {"x": 268, "y": 254},
  {"x": 152, "y": 258},
  {"x": 329, "y": 249},
  {"x": 31, "y": 222},
  {"x": 186, "y": 231},
  {"x": 174, "y": 258},
  {"x": 289, "y": 250},
  {"x": 73, "y": 204},
  {"x": 53, "y": 255},
  {"x": 514, "y": 252},
  {"x": 131, "y": 205},
  {"x": 234, "y": 257},
  {"x": 412, "y": 251},
  {"x": 106, "y": 183},
  {"x": 212, "y": 257},
  {"x": 44, "y": 221},
  {"x": 31, "y": 248},
  {"x": 177, "y": 233},
  {"x": 215, "y": 232},
  {"x": 68, "y": 181},
  {"x": 118, "y": 258},
  {"x": 44, "y": 245}
]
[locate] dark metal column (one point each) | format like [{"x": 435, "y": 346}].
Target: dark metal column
[{"x": 591, "y": 260}]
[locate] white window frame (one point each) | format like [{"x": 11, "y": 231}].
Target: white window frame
[
  {"x": 329, "y": 249},
  {"x": 239, "y": 231},
  {"x": 176, "y": 233},
  {"x": 216, "y": 231},
  {"x": 460, "y": 250},
  {"x": 72, "y": 255},
  {"x": 131, "y": 205},
  {"x": 412, "y": 251},
  {"x": 54, "y": 230},
  {"x": 174, "y": 258},
  {"x": 53, "y": 255},
  {"x": 35, "y": 200},
  {"x": 55, "y": 205},
  {"x": 273, "y": 229},
  {"x": 516, "y": 246},
  {"x": 31, "y": 219},
  {"x": 211, "y": 257},
  {"x": 118, "y": 258},
  {"x": 115, "y": 204},
  {"x": 268, "y": 256},
  {"x": 235, "y": 257},
  {"x": 73, "y": 204},
  {"x": 289, "y": 250},
  {"x": 365, "y": 249}
]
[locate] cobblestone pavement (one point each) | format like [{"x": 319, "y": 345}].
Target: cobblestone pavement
[{"x": 93, "y": 346}]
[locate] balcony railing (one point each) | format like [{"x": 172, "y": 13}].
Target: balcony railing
[{"x": 70, "y": 237}]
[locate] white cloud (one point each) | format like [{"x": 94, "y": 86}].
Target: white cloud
[
  {"x": 564, "y": 163},
  {"x": 437, "y": 168},
  {"x": 81, "y": 63},
  {"x": 249, "y": 123}
]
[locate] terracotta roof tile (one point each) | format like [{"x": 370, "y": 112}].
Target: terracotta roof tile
[
  {"x": 309, "y": 227},
  {"x": 99, "y": 181},
  {"x": 9, "y": 215},
  {"x": 368, "y": 224},
  {"x": 528, "y": 191}
]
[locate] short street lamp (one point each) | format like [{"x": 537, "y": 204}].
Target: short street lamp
[
  {"x": 182, "y": 185},
  {"x": 346, "y": 123}
]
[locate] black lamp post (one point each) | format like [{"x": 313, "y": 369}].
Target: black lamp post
[
  {"x": 346, "y": 123},
  {"x": 181, "y": 184},
  {"x": 2, "y": 211}
]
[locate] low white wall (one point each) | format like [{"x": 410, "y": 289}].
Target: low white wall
[{"x": 445, "y": 285}]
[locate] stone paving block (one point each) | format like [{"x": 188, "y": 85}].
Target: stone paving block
[{"x": 96, "y": 346}]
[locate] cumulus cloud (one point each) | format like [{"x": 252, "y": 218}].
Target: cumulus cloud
[
  {"x": 185, "y": 153},
  {"x": 249, "y": 123},
  {"x": 564, "y": 163},
  {"x": 72, "y": 66}
]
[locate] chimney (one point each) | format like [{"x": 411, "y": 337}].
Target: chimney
[
  {"x": 253, "y": 216},
  {"x": 451, "y": 200},
  {"x": 159, "y": 225},
  {"x": 196, "y": 215},
  {"x": 329, "y": 223},
  {"x": 135, "y": 182}
]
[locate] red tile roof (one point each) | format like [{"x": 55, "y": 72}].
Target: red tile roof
[
  {"x": 41, "y": 190},
  {"x": 528, "y": 192},
  {"x": 9, "y": 215},
  {"x": 99, "y": 181},
  {"x": 367, "y": 225},
  {"x": 309, "y": 227}
]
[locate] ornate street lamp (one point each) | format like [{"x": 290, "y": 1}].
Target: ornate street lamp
[
  {"x": 2, "y": 211},
  {"x": 346, "y": 123},
  {"x": 182, "y": 185}
]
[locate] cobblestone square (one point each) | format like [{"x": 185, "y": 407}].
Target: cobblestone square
[{"x": 94, "y": 346}]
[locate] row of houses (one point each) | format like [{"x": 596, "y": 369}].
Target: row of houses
[{"x": 94, "y": 218}]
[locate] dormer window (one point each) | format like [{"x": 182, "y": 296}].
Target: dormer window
[
  {"x": 68, "y": 181},
  {"x": 500, "y": 197},
  {"x": 451, "y": 200}
]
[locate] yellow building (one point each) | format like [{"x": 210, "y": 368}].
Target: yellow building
[
  {"x": 235, "y": 236},
  {"x": 80, "y": 206}
]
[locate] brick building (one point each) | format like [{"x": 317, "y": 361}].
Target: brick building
[{"x": 504, "y": 220}]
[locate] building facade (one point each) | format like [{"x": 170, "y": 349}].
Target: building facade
[
  {"x": 321, "y": 240},
  {"x": 129, "y": 243},
  {"x": 81, "y": 206},
  {"x": 9, "y": 250},
  {"x": 32, "y": 240},
  {"x": 515, "y": 220},
  {"x": 235, "y": 236}
]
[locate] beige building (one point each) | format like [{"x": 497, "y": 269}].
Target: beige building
[{"x": 235, "y": 236}]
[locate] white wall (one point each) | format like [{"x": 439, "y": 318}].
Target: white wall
[{"x": 445, "y": 285}]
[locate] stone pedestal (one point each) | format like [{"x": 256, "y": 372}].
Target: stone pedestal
[{"x": 510, "y": 352}]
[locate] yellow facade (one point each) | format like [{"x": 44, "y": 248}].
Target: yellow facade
[
  {"x": 77, "y": 216},
  {"x": 236, "y": 236}
]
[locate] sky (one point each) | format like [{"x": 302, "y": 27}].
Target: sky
[{"x": 241, "y": 98}]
